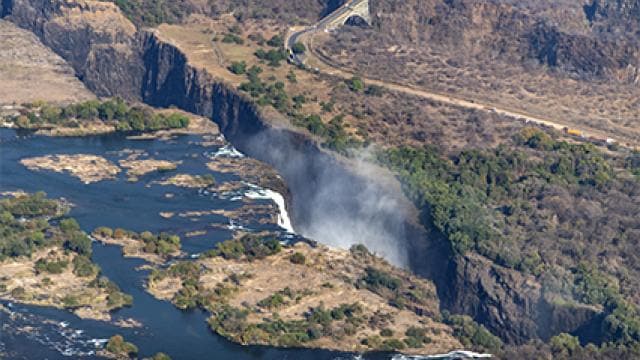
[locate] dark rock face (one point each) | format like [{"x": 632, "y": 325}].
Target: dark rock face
[
  {"x": 105, "y": 56},
  {"x": 510, "y": 304}
]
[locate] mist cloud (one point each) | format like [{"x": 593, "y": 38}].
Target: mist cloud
[{"x": 331, "y": 204}]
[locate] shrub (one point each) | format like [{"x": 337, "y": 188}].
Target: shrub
[
  {"x": 119, "y": 347},
  {"x": 386, "y": 332},
  {"x": 355, "y": 84},
  {"x": 104, "y": 232},
  {"x": 298, "y": 48},
  {"x": 392, "y": 344},
  {"x": 298, "y": 258},
  {"x": 238, "y": 67},
  {"x": 276, "y": 41},
  {"x": 84, "y": 267},
  {"x": 160, "y": 356},
  {"x": 51, "y": 267},
  {"x": 376, "y": 279}
]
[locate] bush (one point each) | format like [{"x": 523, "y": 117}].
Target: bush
[
  {"x": 104, "y": 232},
  {"x": 84, "y": 267},
  {"x": 51, "y": 267},
  {"x": 272, "y": 302},
  {"x": 160, "y": 356},
  {"x": 386, "y": 332},
  {"x": 232, "y": 39},
  {"x": 376, "y": 279},
  {"x": 392, "y": 345},
  {"x": 119, "y": 347},
  {"x": 238, "y": 67},
  {"x": 298, "y": 258},
  {"x": 272, "y": 56},
  {"x": 298, "y": 48},
  {"x": 355, "y": 84},
  {"x": 276, "y": 41}
]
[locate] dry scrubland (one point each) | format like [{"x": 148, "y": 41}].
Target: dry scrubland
[
  {"x": 607, "y": 108},
  {"x": 387, "y": 118},
  {"x": 29, "y": 71}
]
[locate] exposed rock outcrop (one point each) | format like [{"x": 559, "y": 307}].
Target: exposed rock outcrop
[{"x": 509, "y": 303}]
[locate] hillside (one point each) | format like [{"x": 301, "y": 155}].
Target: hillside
[{"x": 545, "y": 59}]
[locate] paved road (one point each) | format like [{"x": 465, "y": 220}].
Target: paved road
[{"x": 305, "y": 36}]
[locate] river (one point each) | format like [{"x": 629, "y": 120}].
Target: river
[{"x": 57, "y": 333}]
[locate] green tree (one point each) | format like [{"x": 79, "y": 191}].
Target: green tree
[
  {"x": 356, "y": 84},
  {"x": 238, "y": 67},
  {"x": 298, "y": 48}
]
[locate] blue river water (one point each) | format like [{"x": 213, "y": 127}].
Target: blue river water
[{"x": 29, "y": 332}]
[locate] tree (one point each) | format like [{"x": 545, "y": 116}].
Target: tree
[
  {"x": 298, "y": 48},
  {"x": 238, "y": 67},
  {"x": 118, "y": 346},
  {"x": 356, "y": 84}
]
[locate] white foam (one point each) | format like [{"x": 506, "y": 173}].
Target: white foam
[
  {"x": 457, "y": 354},
  {"x": 267, "y": 194},
  {"x": 228, "y": 151}
]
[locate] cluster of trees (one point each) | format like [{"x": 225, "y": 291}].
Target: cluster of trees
[
  {"x": 121, "y": 348},
  {"x": 25, "y": 227},
  {"x": 115, "y": 297},
  {"x": 252, "y": 247},
  {"x": 163, "y": 244},
  {"x": 532, "y": 206},
  {"x": 28, "y": 223},
  {"x": 318, "y": 322},
  {"x": 273, "y": 57},
  {"x": 397, "y": 291},
  {"x": 189, "y": 296},
  {"x": 459, "y": 189},
  {"x": 280, "y": 297},
  {"x": 334, "y": 134},
  {"x": 154, "y": 12},
  {"x": 126, "y": 118},
  {"x": 470, "y": 333}
]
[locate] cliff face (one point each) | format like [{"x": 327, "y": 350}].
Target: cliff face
[
  {"x": 94, "y": 37},
  {"x": 557, "y": 34}
]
